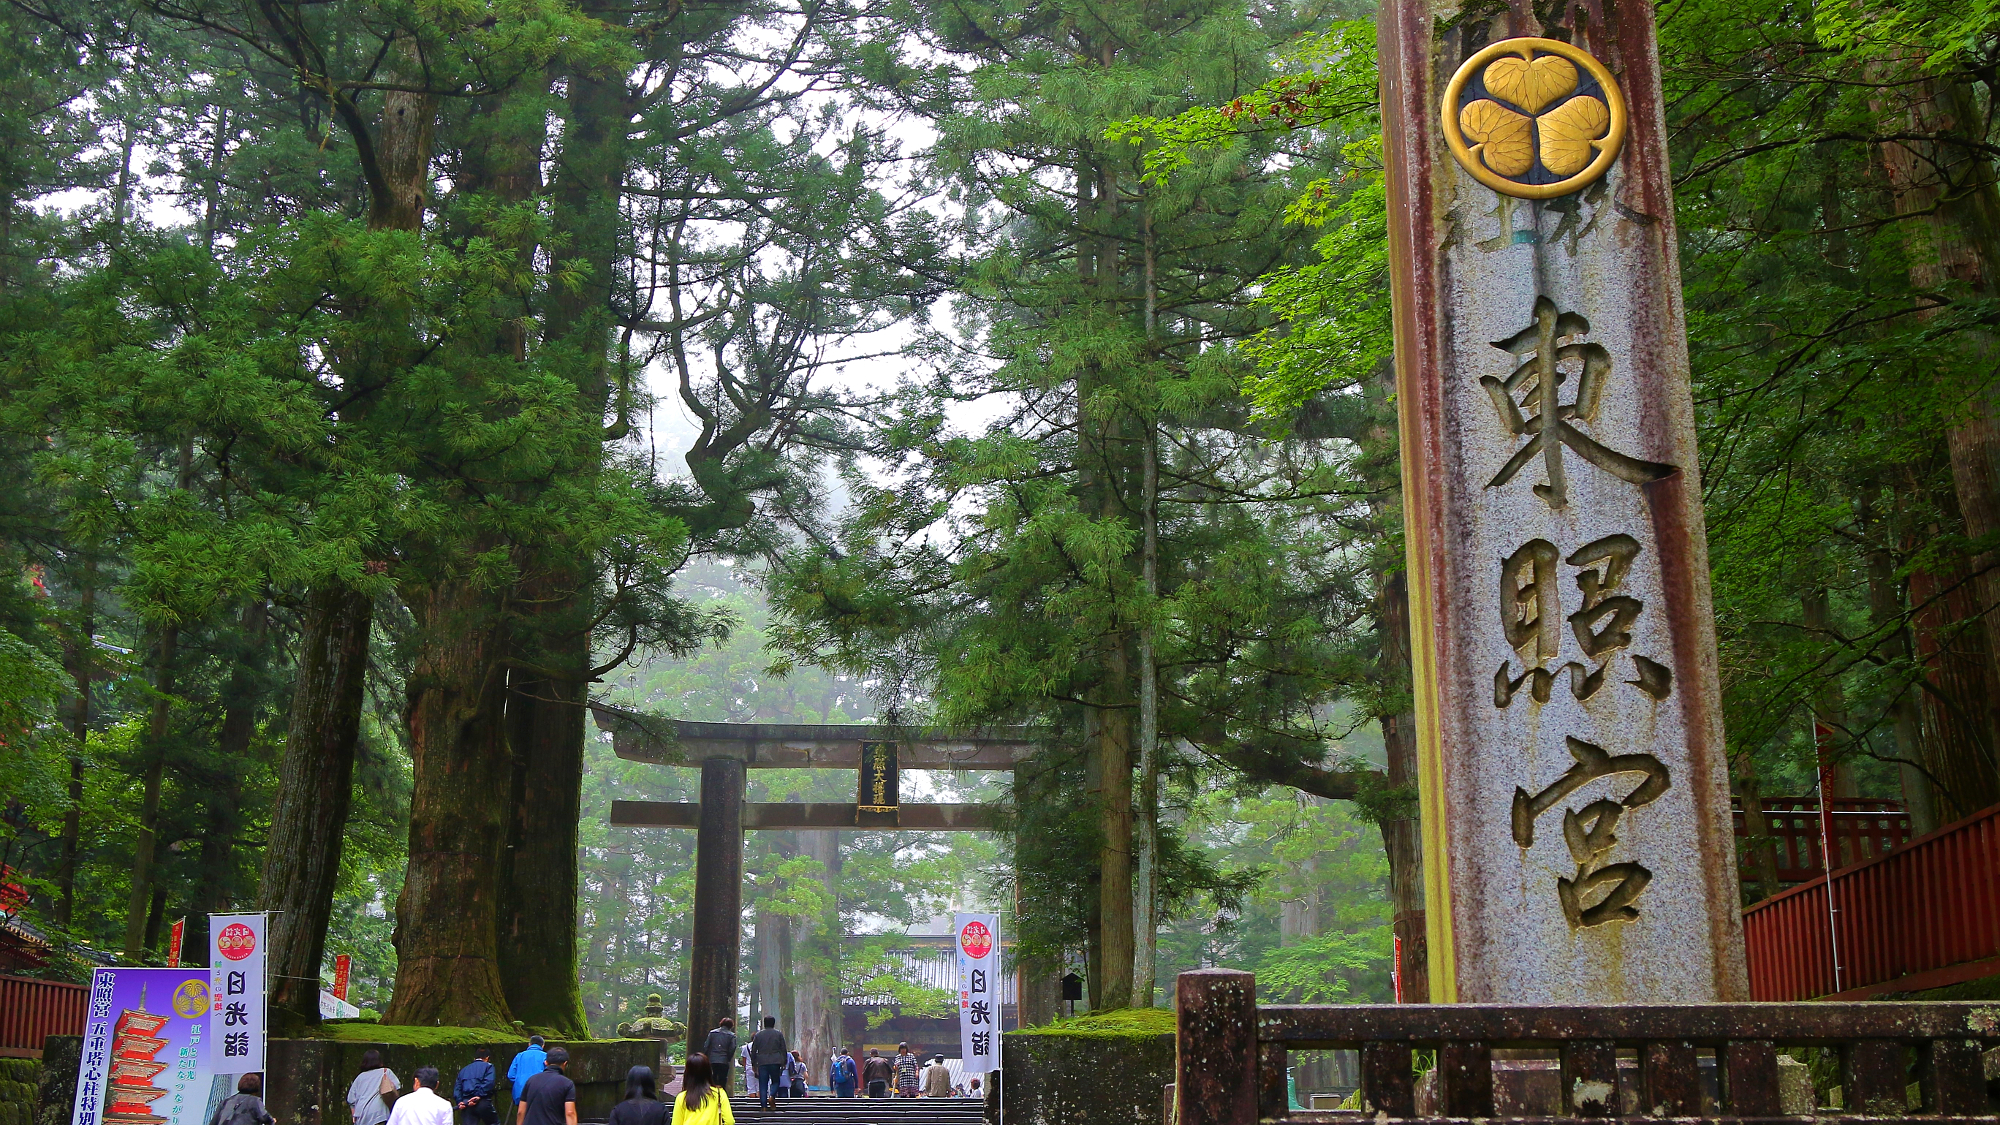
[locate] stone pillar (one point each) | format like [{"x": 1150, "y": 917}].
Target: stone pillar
[
  {"x": 1577, "y": 840},
  {"x": 1215, "y": 1062},
  {"x": 718, "y": 900}
]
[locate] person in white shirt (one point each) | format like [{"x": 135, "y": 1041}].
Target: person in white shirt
[{"x": 422, "y": 1105}]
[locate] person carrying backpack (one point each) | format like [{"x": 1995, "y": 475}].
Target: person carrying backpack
[
  {"x": 795, "y": 1075},
  {"x": 841, "y": 1074}
]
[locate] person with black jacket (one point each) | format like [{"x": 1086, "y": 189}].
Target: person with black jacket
[
  {"x": 642, "y": 1105},
  {"x": 769, "y": 1054},
  {"x": 877, "y": 1073},
  {"x": 720, "y": 1047},
  {"x": 245, "y": 1106}
]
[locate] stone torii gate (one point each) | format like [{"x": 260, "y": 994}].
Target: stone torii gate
[{"x": 723, "y": 751}]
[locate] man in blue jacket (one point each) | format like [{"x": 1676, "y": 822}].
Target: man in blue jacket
[
  {"x": 526, "y": 1065},
  {"x": 473, "y": 1092}
]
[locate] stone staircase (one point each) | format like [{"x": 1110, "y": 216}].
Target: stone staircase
[{"x": 864, "y": 1111}]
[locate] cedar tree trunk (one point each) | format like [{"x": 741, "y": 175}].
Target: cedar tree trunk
[
  {"x": 447, "y": 918},
  {"x": 309, "y": 806}
]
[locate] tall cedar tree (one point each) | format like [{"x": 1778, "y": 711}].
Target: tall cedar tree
[{"x": 1122, "y": 555}]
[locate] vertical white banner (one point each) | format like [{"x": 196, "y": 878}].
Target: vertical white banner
[
  {"x": 236, "y": 980},
  {"x": 978, "y": 990}
]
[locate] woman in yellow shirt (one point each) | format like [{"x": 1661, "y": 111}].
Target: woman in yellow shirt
[{"x": 699, "y": 1103}]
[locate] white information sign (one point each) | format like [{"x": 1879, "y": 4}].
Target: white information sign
[
  {"x": 236, "y": 980},
  {"x": 978, "y": 990}
]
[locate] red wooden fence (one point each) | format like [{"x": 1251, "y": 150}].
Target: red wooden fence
[
  {"x": 32, "y": 1010},
  {"x": 1863, "y": 828},
  {"x": 1921, "y": 916}
]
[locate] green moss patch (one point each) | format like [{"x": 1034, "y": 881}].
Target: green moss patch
[
  {"x": 368, "y": 1031},
  {"x": 1971, "y": 991},
  {"x": 1119, "y": 1023}
]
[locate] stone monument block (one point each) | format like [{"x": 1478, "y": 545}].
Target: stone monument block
[{"x": 1574, "y": 785}]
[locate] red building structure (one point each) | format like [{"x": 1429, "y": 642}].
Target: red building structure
[{"x": 135, "y": 1062}]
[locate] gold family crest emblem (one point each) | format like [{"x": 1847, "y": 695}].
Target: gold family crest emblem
[{"x": 1534, "y": 118}]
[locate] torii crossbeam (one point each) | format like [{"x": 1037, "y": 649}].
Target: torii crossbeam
[{"x": 723, "y": 751}]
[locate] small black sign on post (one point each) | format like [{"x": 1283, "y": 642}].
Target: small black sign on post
[
  {"x": 876, "y": 802},
  {"x": 1072, "y": 990}
]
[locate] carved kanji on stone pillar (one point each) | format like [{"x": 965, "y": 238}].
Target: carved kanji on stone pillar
[{"x": 1577, "y": 841}]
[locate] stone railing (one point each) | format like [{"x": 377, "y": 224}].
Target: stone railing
[{"x": 1905, "y": 1061}]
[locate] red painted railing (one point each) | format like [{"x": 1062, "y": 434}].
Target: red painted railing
[
  {"x": 1863, "y": 828},
  {"x": 1921, "y": 916},
  {"x": 32, "y": 1010}
]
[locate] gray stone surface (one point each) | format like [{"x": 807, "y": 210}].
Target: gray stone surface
[
  {"x": 61, "y": 1056},
  {"x": 1067, "y": 1080},
  {"x": 1795, "y": 1086},
  {"x": 1566, "y": 660}
]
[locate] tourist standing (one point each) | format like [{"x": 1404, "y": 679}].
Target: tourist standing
[
  {"x": 795, "y": 1075},
  {"x": 642, "y": 1104},
  {"x": 472, "y": 1091},
  {"x": 526, "y": 1065},
  {"x": 937, "y": 1079},
  {"x": 841, "y": 1074},
  {"x": 906, "y": 1071},
  {"x": 769, "y": 1055},
  {"x": 877, "y": 1074},
  {"x": 245, "y": 1106},
  {"x": 700, "y": 1101},
  {"x": 549, "y": 1098},
  {"x": 372, "y": 1091},
  {"x": 422, "y": 1106},
  {"x": 718, "y": 1049}
]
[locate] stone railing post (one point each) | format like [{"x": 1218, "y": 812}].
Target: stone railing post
[{"x": 1215, "y": 1047}]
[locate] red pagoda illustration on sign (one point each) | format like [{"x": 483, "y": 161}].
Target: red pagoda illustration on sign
[{"x": 134, "y": 1065}]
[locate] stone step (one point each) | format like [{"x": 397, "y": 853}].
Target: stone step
[{"x": 864, "y": 1111}]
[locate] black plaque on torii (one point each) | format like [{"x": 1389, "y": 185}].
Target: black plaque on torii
[{"x": 876, "y": 800}]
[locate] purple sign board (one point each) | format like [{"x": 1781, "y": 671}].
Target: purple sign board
[{"x": 145, "y": 1049}]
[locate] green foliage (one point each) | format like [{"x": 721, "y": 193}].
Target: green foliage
[
  {"x": 372, "y": 1031},
  {"x": 1944, "y": 35},
  {"x": 1118, "y": 1023},
  {"x": 1314, "y": 923},
  {"x": 995, "y": 574},
  {"x": 1319, "y": 969},
  {"x": 1827, "y": 372},
  {"x": 30, "y": 679},
  {"x": 1332, "y": 316}
]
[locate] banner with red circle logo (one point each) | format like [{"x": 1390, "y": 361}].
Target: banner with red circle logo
[
  {"x": 979, "y": 990},
  {"x": 236, "y": 983}
]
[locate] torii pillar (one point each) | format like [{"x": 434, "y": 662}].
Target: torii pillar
[{"x": 718, "y": 899}]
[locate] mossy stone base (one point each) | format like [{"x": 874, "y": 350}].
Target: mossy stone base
[{"x": 1108, "y": 1068}]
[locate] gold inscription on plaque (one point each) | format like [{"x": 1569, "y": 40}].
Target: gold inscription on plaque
[{"x": 1534, "y": 118}]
